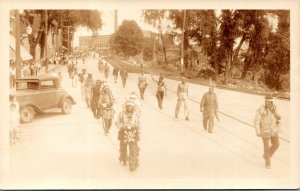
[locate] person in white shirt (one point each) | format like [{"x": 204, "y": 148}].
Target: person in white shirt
[{"x": 182, "y": 96}]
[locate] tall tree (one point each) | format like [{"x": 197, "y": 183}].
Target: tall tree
[
  {"x": 258, "y": 44},
  {"x": 277, "y": 61},
  {"x": 201, "y": 28},
  {"x": 228, "y": 33},
  {"x": 156, "y": 18},
  {"x": 128, "y": 39}
]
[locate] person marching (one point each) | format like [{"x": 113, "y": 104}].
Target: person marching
[
  {"x": 106, "y": 70},
  {"x": 128, "y": 124},
  {"x": 124, "y": 76},
  {"x": 75, "y": 77},
  {"x": 82, "y": 77},
  {"x": 115, "y": 73},
  {"x": 266, "y": 123},
  {"x": 100, "y": 65},
  {"x": 70, "y": 68},
  {"x": 95, "y": 99},
  {"x": 209, "y": 109},
  {"x": 88, "y": 84},
  {"x": 161, "y": 90},
  {"x": 142, "y": 84},
  {"x": 106, "y": 102},
  {"x": 182, "y": 96}
]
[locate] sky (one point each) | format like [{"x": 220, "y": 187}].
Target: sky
[{"x": 108, "y": 23}]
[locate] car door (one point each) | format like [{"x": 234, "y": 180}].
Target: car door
[{"x": 48, "y": 94}]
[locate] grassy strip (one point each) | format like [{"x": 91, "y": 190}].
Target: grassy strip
[
  {"x": 172, "y": 72},
  {"x": 238, "y": 85},
  {"x": 117, "y": 62}
]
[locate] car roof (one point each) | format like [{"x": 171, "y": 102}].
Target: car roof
[{"x": 40, "y": 77}]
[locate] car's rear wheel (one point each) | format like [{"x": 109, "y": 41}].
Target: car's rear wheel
[
  {"x": 27, "y": 114},
  {"x": 67, "y": 106}
]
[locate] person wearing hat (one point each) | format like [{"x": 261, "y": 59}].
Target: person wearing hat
[
  {"x": 106, "y": 102},
  {"x": 182, "y": 96},
  {"x": 88, "y": 85},
  {"x": 266, "y": 123},
  {"x": 134, "y": 98},
  {"x": 209, "y": 109},
  {"x": 128, "y": 124}
]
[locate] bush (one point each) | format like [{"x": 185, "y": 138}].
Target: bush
[
  {"x": 278, "y": 82},
  {"x": 207, "y": 73}
]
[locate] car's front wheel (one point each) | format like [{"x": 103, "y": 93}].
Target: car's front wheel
[
  {"x": 27, "y": 114},
  {"x": 67, "y": 106}
]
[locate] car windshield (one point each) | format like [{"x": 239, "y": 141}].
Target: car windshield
[{"x": 27, "y": 85}]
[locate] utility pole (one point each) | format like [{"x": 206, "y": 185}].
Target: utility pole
[
  {"x": 46, "y": 39},
  {"x": 182, "y": 40},
  {"x": 153, "y": 56},
  {"x": 18, "y": 45},
  {"x": 116, "y": 20}
]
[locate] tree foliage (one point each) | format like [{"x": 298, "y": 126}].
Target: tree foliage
[
  {"x": 128, "y": 39},
  {"x": 277, "y": 61},
  {"x": 61, "y": 19},
  {"x": 244, "y": 39},
  {"x": 156, "y": 18},
  {"x": 200, "y": 29}
]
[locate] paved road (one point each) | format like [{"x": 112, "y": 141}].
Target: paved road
[{"x": 71, "y": 151}]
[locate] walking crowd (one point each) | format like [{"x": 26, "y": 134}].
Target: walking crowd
[{"x": 100, "y": 99}]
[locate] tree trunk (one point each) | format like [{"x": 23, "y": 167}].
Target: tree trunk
[
  {"x": 228, "y": 68},
  {"x": 216, "y": 68},
  {"x": 238, "y": 48},
  {"x": 255, "y": 77},
  {"x": 186, "y": 55},
  {"x": 164, "y": 48},
  {"x": 248, "y": 60}
]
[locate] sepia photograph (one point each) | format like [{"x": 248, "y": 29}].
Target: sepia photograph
[{"x": 135, "y": 95}]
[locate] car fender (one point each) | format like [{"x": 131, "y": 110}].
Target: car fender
[
  {"x": 36, "y": 109},
  {"x": 64, "y": 97}
]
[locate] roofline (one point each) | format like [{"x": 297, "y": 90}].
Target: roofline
[{"x": 39, "y": 77}]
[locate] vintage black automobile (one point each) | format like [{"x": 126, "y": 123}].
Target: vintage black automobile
[{"x": 39, "y": 94}]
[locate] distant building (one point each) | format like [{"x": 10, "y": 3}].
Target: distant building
[
  {"x": 96, "y": 42},
  {"x": 101, "y": 42},
  {"x": 147, "y": 34}
]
